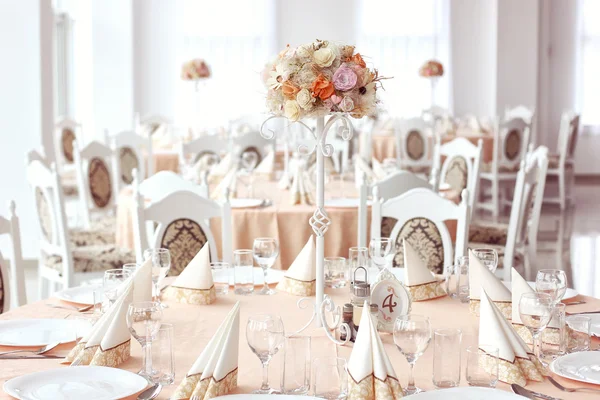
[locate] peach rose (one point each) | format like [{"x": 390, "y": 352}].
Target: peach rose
[
  {"x": 357, "y": 58},
  {"x": 322, "y": 88},
  {"x": 289, "y": 89}
]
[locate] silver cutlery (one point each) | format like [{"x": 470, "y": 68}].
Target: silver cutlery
[
  {"x": 584, "y": 312},
  {"x": 37, "y": 352},
  {"x": 36, "y": 357},
  {"x": 521, "y": 391},
  {"x": 574, "y": 303},
  {"x": 72, "y": 308},
  {"x": 151, "y": 392},
  {"x": 569, "y": 389}
]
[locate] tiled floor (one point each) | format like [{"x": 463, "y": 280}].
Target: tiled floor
[{"x": 569, "y": 241}]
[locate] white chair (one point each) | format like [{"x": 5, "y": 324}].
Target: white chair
[
  {"x": 128, "y": 148},
  {"x": 419, "y": 216},
  {"x": 511, "y": 139},
  {"x": 95, "y": 182},
  {"x": 562, "y": 164},
  {"x": 461, "y": 167},
  {"x": 435, "y": 113},
  {"x": 148, "y": 124},
  {"x": 12, "y": 286},
  {"x": 391, "y": 186},
  {"x": 526, "y": 114},
  {"x": 252, "y": 141},
  {"x": 183, "y": 227},
  {"x": 414, "y": 145},
  {"x": 66, "y": 133},
  {"x": 60, "y": 262},
  {"x": 518, "y": 239},
  {"x": 209, "y": 144},
  {"x": 163, "y": 183}
]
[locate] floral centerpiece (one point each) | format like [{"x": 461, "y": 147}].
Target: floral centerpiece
[
  {"x": 195, "y": 70},
  {"x": 431, "y": 69},
  {"x": 315, "y": 79}
]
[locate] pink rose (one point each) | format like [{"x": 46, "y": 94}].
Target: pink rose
[
  {"x": 347, "y": 104},
  {"x": 336, "y": 99},
  {"x": 344, "y": 78},
  {"x": 328, "y": 103}
]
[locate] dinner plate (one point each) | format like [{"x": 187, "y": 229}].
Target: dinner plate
[
  {"x": 570, "y": 293},
  {"x": 40, "y": 332},
  {"x": 245, "y": 203},
  {"x": 76, "y": 383},
  {"x": 595, "y": 324},
  {"x": 273, "y": 276},
  {"x": 583, "y": 366},
  {"x": 79, "y": 294},
  {"x": 467, "y": 392}
]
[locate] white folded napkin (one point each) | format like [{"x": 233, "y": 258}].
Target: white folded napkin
[
  {"x": 300, "y": 278},
  {"x": 516, "y": 364},
  {"x": 195, "y": 284},
  {"x": 300, "y": 191},
  {"x": 371, "y": 375},
  {"x": 377, "y": 168},
  {"x": 362, "y": 167},
  {"x": 480, "y": 277},
  {"x": 215, "y": 371},
  {"x": 223, "y": 167},
  {"x": 267, "y": 166},
  {"x": 420, "y": 281},
  {"x": 142, "y": 282},
  {"x": 228, "y": 183}
]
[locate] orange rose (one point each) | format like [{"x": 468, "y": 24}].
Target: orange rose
[
  {"x": 322, "y": 88},
  {"x": 289, "y": 89},
  {"x": 357, "y": 58}
]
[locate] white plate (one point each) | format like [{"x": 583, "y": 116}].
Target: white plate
[
  {"x": 79, "y": 294},
  {"x": 570, "y": 293},
  {"x": 462, "y": 393},
  {"x": 40, "y": 332},
  {"x": 76, "y": 383},
  {"x": 595, "y": 328},
  {"x": 273, "y": 276},
  {"x": 245, "y": 203},
  {"x": 266, "y": 397},
  {"x": 583, "y": 366}
]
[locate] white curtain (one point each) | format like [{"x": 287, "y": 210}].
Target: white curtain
[
  {"x": 397, "y": 37},
  {"x": 588, "y": 82},
  {"x": 236, "y": 39}
]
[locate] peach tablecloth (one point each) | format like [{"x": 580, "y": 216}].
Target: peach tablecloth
[
  {"x": 165, "y": 161},
  {"x": 195, "y": 325},
  {"x": 384, "y": 146}
]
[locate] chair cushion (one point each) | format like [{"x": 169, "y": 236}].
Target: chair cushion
[
  {"x": 70, "y": 190},
  {"x": 92, "y": 258},
  {"x": 83, "y": 237},
  {"x": 487, "y": 167},
  {"x": 488, "y": 232}
]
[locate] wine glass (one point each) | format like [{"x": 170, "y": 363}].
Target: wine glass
[
  {"x": 265, "y": 251},
  {"x": 553, "y": 282},
  {"x": 161, "y": 263},
  {"x": 382, "y": 251},
  {"x": 489, "y": 258},
  {"x": 143, "y": 321},
  {"x": 265, "y": 336},
  {"x": 535, "y": 310},
  {"x": 113, "y": 279},
  {"x": 249, "y": 162},
  {"x": 412, "y": 334}
]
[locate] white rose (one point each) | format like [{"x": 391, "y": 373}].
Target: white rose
[
  {"x": 347, "y": 104},
  {"x": 304, "y": 51},
  {"x": 324, "y": 57},
  {"x": 292, "y": 110},
  {"x": 304, "y": 99}
]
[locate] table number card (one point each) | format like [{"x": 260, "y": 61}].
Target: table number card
[{"x": 392, "y": 298}]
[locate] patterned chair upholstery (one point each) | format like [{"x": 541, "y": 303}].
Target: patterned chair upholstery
[
  {"x": 92, "y": 258},
  {"x": 457, "y": 174},
  {"x": 512, "y": 150},
  {"x": 490, "y": 233},
  {"x": 128, "y": 162},
  {"x": 2, "y": 297},
  {"x": 67, "y": 139},
  {"x": 184, "y": 238}
]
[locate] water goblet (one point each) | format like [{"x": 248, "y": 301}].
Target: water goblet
[
  {"x": 489, "y": 258},
  {"x": 161, "y": 264},
  {"x": 553, "y": 282},
  {"x": 382, "y": 252},
  {"x": 131, "y": 268},
  {"x": 143, "y": 320},
  {"x": 249, "y": 162},
  {"x": 412, "y": 334},
  {"x": 113, "y": 279},
  {"x": 265, "y": 252},
  {"x": 265, "y": 335},
  {"x": 535, "y": 310}
]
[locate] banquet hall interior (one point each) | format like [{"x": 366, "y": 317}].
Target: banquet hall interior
[{"x": 312, "y": 141}]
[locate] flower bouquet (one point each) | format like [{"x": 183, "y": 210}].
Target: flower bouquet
[
  {"x": 319, "y": 78},
  {"x": 195, "y": 70},
  {"x": 431, "y": 69}
]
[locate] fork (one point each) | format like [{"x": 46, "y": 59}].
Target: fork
[
  {"x": 570, "y": 390},
  {"x": 38, "y": 351},
  {"x": 64, "y": 307}
]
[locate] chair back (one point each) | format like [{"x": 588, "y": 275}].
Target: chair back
[
  {"x": 66, "y": 133},
  {"x": 413, "y": 143},
  {"x": 419, "y": 216},
  {"x": 148, "y": 124},
  {"x": 128, "y": 149},
  {"x": 210, "y": 144},
  {"x": 182, "y": 221},
  {"x": 511, "y": 140},
  {"x": 12, "y": 284},
  {"x": 252, "y": 141},
  {"x": 567, "y": 136},
  {"x": 526, "y": 114}
]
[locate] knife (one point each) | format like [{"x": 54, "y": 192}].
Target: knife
[
  {"x": 521, "y": 391},
  {"x": 29, "y": 357}
]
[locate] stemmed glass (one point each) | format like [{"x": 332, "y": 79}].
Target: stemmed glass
[
  {"x": 161, "y": 264},
  {"x": 265, "y": 336},
  {"x": 113, "y": 279},
  {"x": 412, "y": 334},
  {"x": 535, "y": 310},
  {"x": 382, "y": 252},
  {"x": 489, "y": 258},
  {"x": 265, "y": 251},
  {"x": 553, "y": 282},
  {"x": 143, "y": 321},
  {"x": 249, "y": 162}
]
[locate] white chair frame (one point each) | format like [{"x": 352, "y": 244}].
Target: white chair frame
[
  {"x": 13, "y": 283},
  {"x": 83, "y": 156},
  {"x": 391, "y": 186},
  {"x": 176, "y": 205},
  {"x": 460, "y": 147},
  {"x": 252, "y": 139},
  {"x": 425, "y": 203},
  {"x": 402, "y": 128},
  {"x": 135, "y": 142},
  {"x": 205, "y": 144}
]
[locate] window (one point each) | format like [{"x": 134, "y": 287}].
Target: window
[
  {"x": 236, "y": 39},
  {"x": 63, "y": 63},
  {"x": 398, "y": 36},
  {"x": 588, "y": 94}
]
